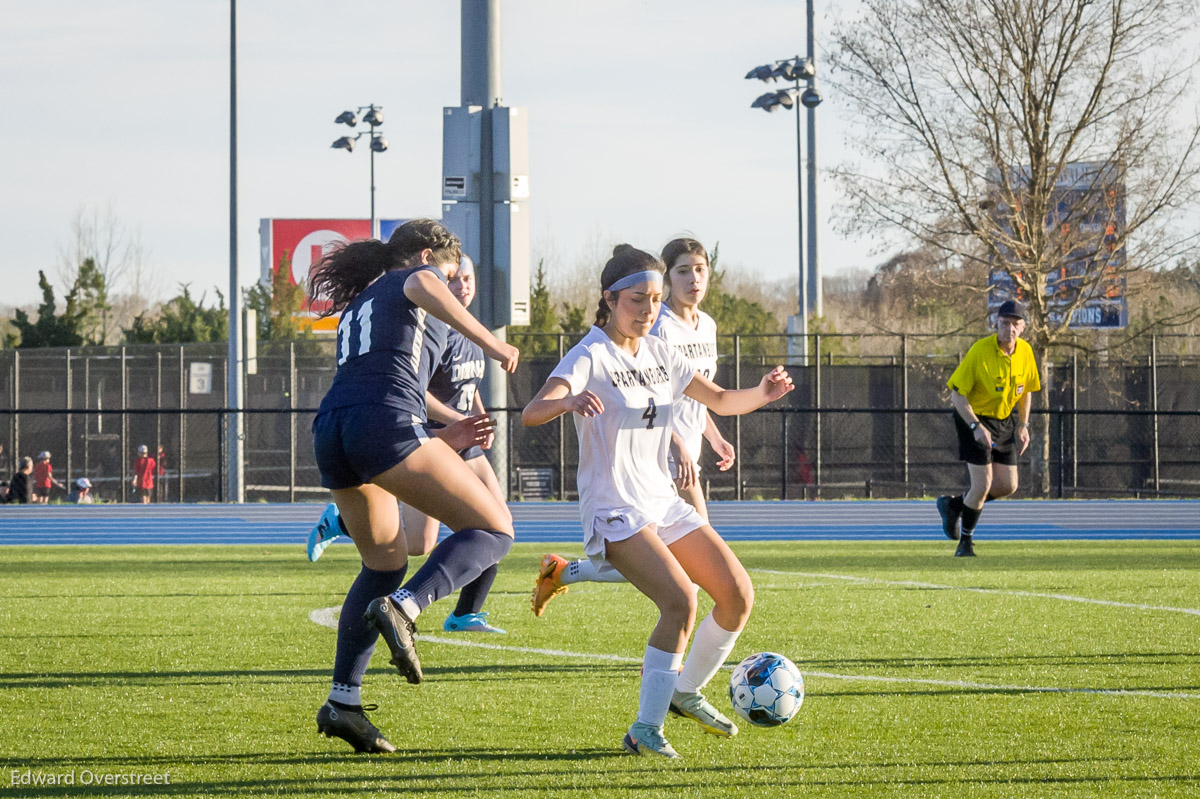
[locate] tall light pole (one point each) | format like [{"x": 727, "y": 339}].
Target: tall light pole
[
  {"x": 796, "y": 69},
  {"x": 810, "y": 99},
  {"x": 234, "y": 436},
  {"x": 373, "y": 118}
]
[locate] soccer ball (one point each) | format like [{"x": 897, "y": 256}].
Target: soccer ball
[{"x": 766, "y": 689}]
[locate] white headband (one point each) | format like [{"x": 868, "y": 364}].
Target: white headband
[{"x": 650, "y": 275}]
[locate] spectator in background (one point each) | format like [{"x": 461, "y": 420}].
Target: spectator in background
[
  {"x": 21, "y": 485},
  {"x": 161, "y": 457},
  {"x": 83, "y": 492},
  {"x": 43, "y": 479},
  {"x": 143, "y": 473}
]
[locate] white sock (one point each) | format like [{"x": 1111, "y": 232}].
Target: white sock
[
  {"x": 407, "y": 603},
  {"x": 346, "y": 694},
  {"x": 711, "y": 645},
  {"x": 660, "y": 671},
  {"x": 584, "y": 571}
]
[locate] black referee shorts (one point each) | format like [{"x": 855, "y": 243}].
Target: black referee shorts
[{"x": 1004, "y": 441}]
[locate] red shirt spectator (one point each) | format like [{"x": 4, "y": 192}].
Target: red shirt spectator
[
  {"x": 143, "y": 472},
  {"x": 43, "y": 476}
]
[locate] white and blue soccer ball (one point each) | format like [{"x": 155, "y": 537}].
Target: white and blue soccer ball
[{"x": 766, "y": 689}]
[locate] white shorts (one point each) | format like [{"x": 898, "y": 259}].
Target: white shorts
[{"x": 679, "y": 519}]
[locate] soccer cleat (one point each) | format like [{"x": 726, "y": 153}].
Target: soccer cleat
[
  {"x": 549, "y": 582},
  {"x": 949, "y": 518},
  {"x": 326, "y": 531},
  {"x": 699, "y": 710},
  {"x": 353, "y": 727},
  {"x": 966, "y": 547},
  {"x": 643, "y": 738},
  {"x": 469, "y": 623},
  {"x": 398, "y": 633}
]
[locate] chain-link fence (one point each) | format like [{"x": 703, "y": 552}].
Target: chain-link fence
[{"x": 857, "y": 425}]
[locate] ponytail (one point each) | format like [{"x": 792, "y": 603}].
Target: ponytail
[{"x": 343, "y": 273}]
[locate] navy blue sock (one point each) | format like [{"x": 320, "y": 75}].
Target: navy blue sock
[
  {"x": 473, "y": 594},
  {"x": 356, "y": 639},
  {"x": 970, "y": 517},
  {"x": 455, "y": 562}
]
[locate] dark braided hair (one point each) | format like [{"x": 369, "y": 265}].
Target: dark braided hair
[
  {"x": 626, "y": 260},
  {"x": 343, "y": 273}
]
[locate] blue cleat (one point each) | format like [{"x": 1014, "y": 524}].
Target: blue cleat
[
  {"x": 325, "y": 533},
  {"x": 469, "y": 623}
]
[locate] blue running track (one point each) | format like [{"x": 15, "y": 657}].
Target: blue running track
[{"x": 558, "y": 522}]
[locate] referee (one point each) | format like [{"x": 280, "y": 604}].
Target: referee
[{"x": 990, "y": 391}]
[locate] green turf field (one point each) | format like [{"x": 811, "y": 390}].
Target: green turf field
[{"x": 202, "y": 662}]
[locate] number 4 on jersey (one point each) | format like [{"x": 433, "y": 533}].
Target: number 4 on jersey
[{"x": 649, "y": 415}]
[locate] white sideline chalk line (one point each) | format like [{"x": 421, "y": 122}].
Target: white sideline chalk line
[
  {"x": 327, "y": 617},
  {"x": 1006, "y": 591}
]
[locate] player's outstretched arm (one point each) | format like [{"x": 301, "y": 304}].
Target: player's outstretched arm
[
  {"x": 431, "y": 294},
  {"x": 723, "y": 449},
  {"x": 735, "y": 402},
  {"x": 555, "y": 399},
  {"x": 439, "y": 411}
]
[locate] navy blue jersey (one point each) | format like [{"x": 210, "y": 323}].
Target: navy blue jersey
[
  {"x": 387, "y": 348},
  {"x": 458, "y": 374}
]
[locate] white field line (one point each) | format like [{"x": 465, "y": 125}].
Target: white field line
[
  {"x": 1004, "y": 591},
  {"x": 327, "y": 617}
]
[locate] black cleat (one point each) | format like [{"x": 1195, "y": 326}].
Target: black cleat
[
  {"x": 353, "y": 727},
  {"x": 966, "y": 548},
  {"x": 949, "y": 518},
  {"x": 397, "y": 630}
]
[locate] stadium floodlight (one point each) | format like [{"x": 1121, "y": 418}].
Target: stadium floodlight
[
  {"x": 378, "y": 144},
  {"x": 795, "y": 70}
]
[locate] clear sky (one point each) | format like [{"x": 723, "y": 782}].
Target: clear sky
[{"x": 641, "y": 126}]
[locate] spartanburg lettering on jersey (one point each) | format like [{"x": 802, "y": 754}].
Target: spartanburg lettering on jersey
[
  {"x": 623, "y": 451},
  {"x": 387, "y": 348},
  {"x": 640, "y": 377},
  {"x": 699, "y": 346}
]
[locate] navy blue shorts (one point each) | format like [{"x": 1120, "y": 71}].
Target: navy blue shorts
[
  {"x": 356, "y": 444},
  {"x": 474, "y": 451}
]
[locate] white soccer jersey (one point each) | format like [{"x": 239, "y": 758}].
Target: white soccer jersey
[
  {"x": 623, "y": 451},
  {"x": 699, "y": 346}
]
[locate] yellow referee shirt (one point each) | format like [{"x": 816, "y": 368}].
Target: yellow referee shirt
[{"x": 994, "y": 382}]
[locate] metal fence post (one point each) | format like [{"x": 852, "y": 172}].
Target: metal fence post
[
  {"x": 737, "y": 420},
  {"x": 783, "y": 455},
  {"x": 124, "y": 428},
  {"x": 222, "y": 421},
  {"x": 292, "y": 421},
  {"x": 817, "y": 405},
  {"x": 68, "y": 406},
  {"x": 87, "y": 403},
  {"x": 16, "y": 404},
  {"x": 160, "y": 491},
  {"x": 1154, "y": 406},
  {"x": 1075, "y": 420},
  {"x": 183, "y": 388},
  {"x": 904, "y": 401},
  {"x": 562, "y": 439},
  {"x": 1062, "y": 460}
]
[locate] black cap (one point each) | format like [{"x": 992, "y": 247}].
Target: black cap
[{"x": 1011, "y": 308}]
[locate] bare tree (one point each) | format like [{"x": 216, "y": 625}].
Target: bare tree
[
  {"x": 1052, "y": 141},
  {"x": 129, "y": 283}
]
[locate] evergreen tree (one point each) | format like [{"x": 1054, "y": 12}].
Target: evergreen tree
[
  {"x": 50, "y": 329},
  {"x": 278, "y": 308},
  {"x": 182, "y": 320},
  {"x": 542, "y": 320}
]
